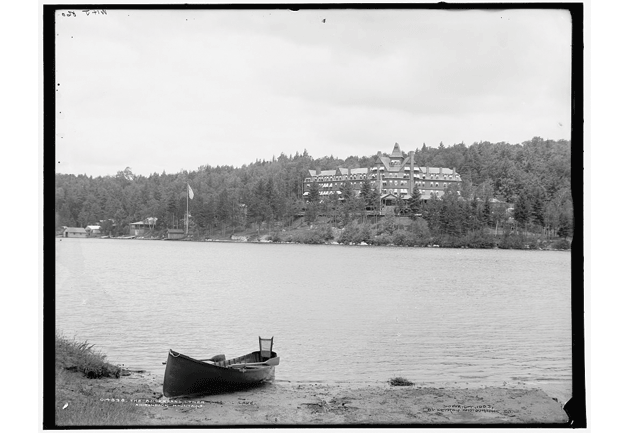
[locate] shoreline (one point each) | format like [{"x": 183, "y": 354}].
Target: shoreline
[
  {"x": 302, "y": 404},
  {"x": 134, "y": 238}
]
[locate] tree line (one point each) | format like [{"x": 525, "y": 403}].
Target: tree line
[{"x": 535, "y": 176}]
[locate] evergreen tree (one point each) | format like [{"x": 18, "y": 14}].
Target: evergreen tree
[
  {"x": 312, "y": 211},
  {"x": 522, "y": 210},
  {"x": 313, "y": 193},
  {"x": 431, "y": 213},
  {"x": 223, "y": 209},
  {"x": 565, "y": 226},
  {"x": 538, "y": 207},
  {"x": 348, "y": 205},
  {"x": 375, "y": 200},
  {"x": 487, "y": 211},
  {"x": 259, "y": 207},
  {"x": 366, "y": 190},
  {"x": 415, "y": 202},
  {"x": 331, "y": 204},
  {"x": 366, "y": 197}
]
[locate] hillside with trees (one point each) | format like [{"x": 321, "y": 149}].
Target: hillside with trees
[{"x": 533, "y": 177}]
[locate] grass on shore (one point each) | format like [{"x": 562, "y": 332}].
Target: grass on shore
[
  {"x": 79, "y": 401},
  {"x": 81, "y": 357}
]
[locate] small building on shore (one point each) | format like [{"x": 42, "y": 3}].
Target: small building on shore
[
  {"x": 93, "y": 230},
  {"x": 175, "y": 234},
  {"x": 139, "y": 227},
  {"x": 74, "y": 232}
]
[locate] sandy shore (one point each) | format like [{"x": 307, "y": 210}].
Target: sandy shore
[{"x": 286, "y": 403}]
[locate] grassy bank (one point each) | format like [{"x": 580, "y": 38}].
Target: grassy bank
[{"x": 79, "y": 401}]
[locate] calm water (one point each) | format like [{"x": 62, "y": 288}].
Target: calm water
[{"x": 338, "y": 314}]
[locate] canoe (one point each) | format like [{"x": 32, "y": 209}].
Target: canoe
[{"x": 186, "y": 376}]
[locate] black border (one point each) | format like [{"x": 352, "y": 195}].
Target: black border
[{"x": 575, "y": 407}]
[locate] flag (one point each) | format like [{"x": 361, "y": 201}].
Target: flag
[{"x": 190, "y": 192}]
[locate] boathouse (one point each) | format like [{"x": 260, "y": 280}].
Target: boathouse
[
  {"x": 74, "y": 232},
  {"x": 93, "y": 230},
  {"x": 175, "y": 234},
  {"x": 138, "y": 228}
]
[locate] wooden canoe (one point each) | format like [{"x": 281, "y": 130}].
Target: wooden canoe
[{"x": 186, "y": 376}]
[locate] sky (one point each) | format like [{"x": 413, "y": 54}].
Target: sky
[{"x": 172, "y": 90}]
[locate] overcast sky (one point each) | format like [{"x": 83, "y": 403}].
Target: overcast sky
[{"x": 171, "y": 90}]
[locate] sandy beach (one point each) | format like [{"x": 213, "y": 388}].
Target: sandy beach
[{"x": 286, "y": 403}]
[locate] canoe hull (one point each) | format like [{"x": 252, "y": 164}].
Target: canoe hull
[{"x": 186, "y": 376}]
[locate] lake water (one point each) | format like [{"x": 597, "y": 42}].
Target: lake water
[{"x": 457, "y": 317}]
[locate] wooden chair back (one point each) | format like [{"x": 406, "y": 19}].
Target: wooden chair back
[{"x": 266, "y": 346}]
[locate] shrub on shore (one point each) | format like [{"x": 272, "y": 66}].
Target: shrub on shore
[
  {"x": 479, "y": 240},
  {"x": 317, "y": 235},
  {"x": 400, "y": 381},
  {"x": 355, "y": 233},
  {"x": 512, "y": 241},
  {"x": 404, "y": 238},
  {"x": 561, "y": 244},
  {"x": 382, "y": 239}
]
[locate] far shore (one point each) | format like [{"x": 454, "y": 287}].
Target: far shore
[{"x": 265, "y": 241}]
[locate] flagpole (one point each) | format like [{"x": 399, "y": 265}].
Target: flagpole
[{"x": 187, "y": 194}]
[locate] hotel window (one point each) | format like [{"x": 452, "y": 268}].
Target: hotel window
[{"x": 445, "y": 185}]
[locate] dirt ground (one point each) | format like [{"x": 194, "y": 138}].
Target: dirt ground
[{"x": 287, "y": 403}]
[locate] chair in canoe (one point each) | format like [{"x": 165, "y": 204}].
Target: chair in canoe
[{"x": 185, "y": 376}]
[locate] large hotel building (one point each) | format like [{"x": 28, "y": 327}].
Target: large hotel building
[{"x": 394, "y": 176}]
